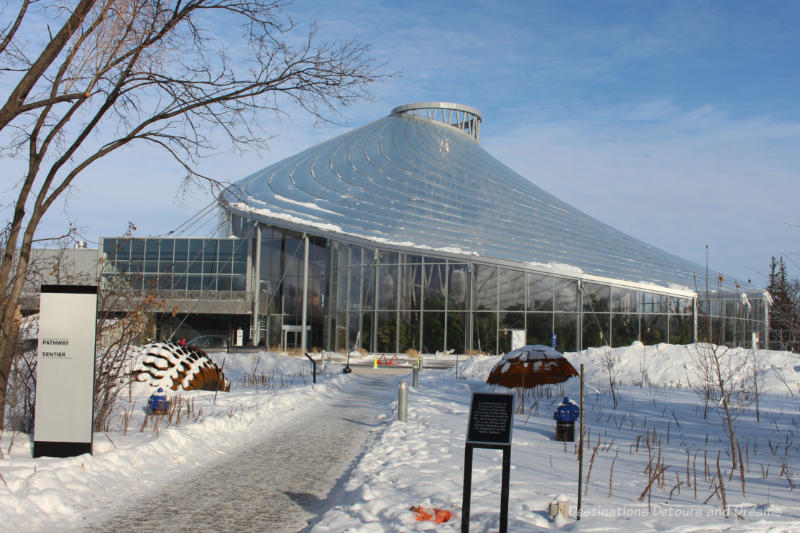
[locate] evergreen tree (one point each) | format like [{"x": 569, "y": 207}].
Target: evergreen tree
[{"x": 784, "y": 315}]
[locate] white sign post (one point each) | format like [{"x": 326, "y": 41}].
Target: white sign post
[{"x": 65, "y": 371}]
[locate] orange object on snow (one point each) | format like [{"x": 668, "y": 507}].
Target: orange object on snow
[{"x": 437, "y": 515}]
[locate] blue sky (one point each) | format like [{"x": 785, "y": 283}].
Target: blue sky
[{"x": 675, "y": 122}]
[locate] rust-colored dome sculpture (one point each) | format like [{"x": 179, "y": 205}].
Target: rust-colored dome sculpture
[{"x": 530, "y": 366}]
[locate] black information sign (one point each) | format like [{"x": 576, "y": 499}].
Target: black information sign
[
  {"x": 490, "y": 418},
  {"x": 490, "y": 422}
]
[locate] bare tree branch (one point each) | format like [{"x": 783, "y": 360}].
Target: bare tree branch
[{"x": 120, "y": 72}]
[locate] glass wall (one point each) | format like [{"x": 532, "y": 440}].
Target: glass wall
[
  {"x": 281, "y": 288},
  {"x": 731, "y": 319},
  {"x": 394, "y": 301},
  {"x": 390, "y": 301},
  {"x": 186, "y": 267}
]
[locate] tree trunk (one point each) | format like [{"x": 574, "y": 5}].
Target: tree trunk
[{"x": 9, "y": 329}]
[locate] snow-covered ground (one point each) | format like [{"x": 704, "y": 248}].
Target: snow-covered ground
[{"x": 658, "y": 423}]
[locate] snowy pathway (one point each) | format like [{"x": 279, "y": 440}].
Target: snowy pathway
[{"x": 276, "y": 485}]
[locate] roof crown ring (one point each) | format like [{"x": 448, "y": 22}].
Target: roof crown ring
[{"x": 464, "y": 118}]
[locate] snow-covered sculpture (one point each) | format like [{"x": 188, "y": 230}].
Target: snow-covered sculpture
[{"x": 165, "y": 364}]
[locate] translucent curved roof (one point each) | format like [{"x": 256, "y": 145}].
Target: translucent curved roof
[{"x": 415, "y": 182}]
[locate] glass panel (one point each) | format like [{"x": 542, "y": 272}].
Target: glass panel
[
  {"x": 165, "y": 282},
  {"x": 409, "y": 331},
  {"x": 165, "y": 250},
  {"x": 511, "y": 321},
  {"x": 210, "y": 251},
  {"x": 195, "y": 267},
  {"x": 540, "y": 293},
  {"x": 386, "y": 258},
  {"x": 209, "y": 283},
  {"x": 355, "y": 255},
  {"x": 512, "y": 290},
  {"x": 240, "y": 267},
  {"x": 432, "y": 331},
  {"x": 566, "y": 331},
  {"x": 181, "y": 250},
  {"x": 596, "y": 299},
  {"x": 539, "y": 328},
  {"x": 595, "y": 329},
  {"x": 654, "y": 329},
  {"x": 457, "y": 332},
  {"x": 625, "y": 329},
  {"x": 458, "y": 281},
  {"x": 151, "y": 249},
  {"x": 340, "y": 334},
  {"x": 353, "y": 327},
  {"x": 238, "y": 283},
  {"x": 387, "y": 276},
  {"x": 224, "y": 283},
  {"x": 508, "y": 322},
  {"x": 368, "y": 287},
  {"x": 434, "y": 285},
  {"x": 137, "y": 250},
  {"x": 195, "y": 249},
  {"x": 485, "y": 288},
  {"x": 225, "y": 249},
  {"x": 135, "y": 282},
  {"x": 240, "y": 250},
  {"x": 151, "y": 267},
  {"x": 366, "y": 331},
  {"x": 484, "y": 333},
  {"x": 681, "y": 329},
  {"x": 566, "y": 294},
  {"x": 387, "y": 330},
  {"x": 354, "y": 296},
  {"x": 225, "y": 266},
  {"x": 411, "y": 259},
  {"x": 178, "y": 282},
  {"x": 195, "y": 283},
  {"x": 123, "y": 249},
  {"x": 653, "y": 303},
  {"x": 210, "y": 267},
  {"x": 432, "y": 260},
  {"x": 411, "y": 287},
  {"x": 150, "y": 282},
  {"x": 368, "y": 256},
  {"x": 110, "y": 248},
  {"x": 624, "y": 300}
]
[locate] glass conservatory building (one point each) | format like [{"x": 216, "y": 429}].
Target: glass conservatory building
[{"x": 406, "y": 234}]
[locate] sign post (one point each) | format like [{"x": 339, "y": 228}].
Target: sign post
[
  {"x": 65, "y": 371},
  {"x": 490, "y": 422}
]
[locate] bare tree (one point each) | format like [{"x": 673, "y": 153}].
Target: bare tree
[
  {"x": 119, "y": 333},
  {"x": 724, "y": 376},
  {"x": 118, "y": 72},
  {"x": 609, "y": 364}
]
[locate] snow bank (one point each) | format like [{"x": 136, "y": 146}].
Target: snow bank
[
  {"x": 663, "y": 364},
  {"x": 420, "y": 462},
  {"x": 46, "y": 493}
]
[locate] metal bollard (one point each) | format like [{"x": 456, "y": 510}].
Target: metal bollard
[
  {"x": 415, "y": 377},
  {"x": 402, "y": 401}
]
